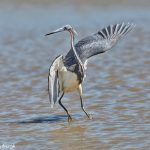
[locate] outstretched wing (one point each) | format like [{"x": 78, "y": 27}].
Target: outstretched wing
[
  {"x": 53, "y": 82},
  {"x": 100, "y": 42}
]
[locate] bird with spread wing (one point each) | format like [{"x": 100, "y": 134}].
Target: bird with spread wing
[{"x": 67, "y": 73}]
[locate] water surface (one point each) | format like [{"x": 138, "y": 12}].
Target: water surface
[{"x": 116, "y": 90}]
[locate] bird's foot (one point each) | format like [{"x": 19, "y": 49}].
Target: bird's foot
[
  {"x": 89, "y": 116},
  {"x": 69, "y": 118}
]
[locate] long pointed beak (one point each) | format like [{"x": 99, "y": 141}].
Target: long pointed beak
[{"x": 56, "y": 31}]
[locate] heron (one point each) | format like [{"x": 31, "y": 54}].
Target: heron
[{"x": 67, "y": 73}]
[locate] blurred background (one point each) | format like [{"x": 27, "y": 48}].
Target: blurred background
[{"x": 116, "y": 90}]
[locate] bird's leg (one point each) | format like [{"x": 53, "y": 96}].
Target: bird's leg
[
  {"x": 80, "y": 93},
  {"x": 60, "y": 103},
  {"x": 88, "y": 115}
]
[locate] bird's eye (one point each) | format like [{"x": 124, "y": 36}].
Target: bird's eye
[{"x": 65, "y": 28}]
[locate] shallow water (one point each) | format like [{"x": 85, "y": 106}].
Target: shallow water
[{"x": 116, "y": 90}]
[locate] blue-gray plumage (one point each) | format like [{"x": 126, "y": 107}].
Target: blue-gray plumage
[
  {"x": 66, "y": 74},
  {"x": 97, "y": 43}
]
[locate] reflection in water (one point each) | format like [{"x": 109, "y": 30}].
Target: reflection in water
[{"x": 117, "y": 93}]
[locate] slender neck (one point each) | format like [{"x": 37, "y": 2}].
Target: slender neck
[{"x": 74, "y": 50}]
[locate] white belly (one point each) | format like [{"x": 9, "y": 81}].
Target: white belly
[{"x": 69, "y": 81}]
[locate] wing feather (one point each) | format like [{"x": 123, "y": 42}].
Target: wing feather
[
  {"x": 53, "y": 82},
  {"x": 98, "y": 43}
]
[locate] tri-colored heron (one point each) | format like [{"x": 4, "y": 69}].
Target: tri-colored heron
[{"x": 66, "y": 74}]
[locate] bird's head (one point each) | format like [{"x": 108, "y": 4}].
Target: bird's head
[{"x": 64, "y": 28}]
